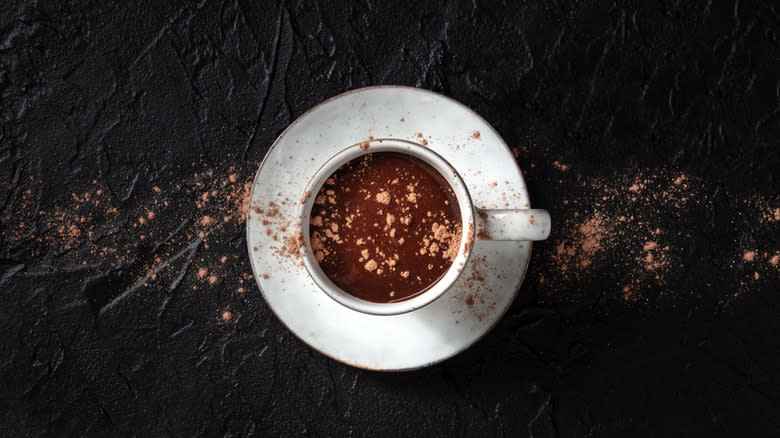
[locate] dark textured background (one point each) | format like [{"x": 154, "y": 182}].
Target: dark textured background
[{"x": 130, "y": 94}]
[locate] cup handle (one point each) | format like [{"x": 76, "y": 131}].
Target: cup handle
[{"x": 515, "y": 224}]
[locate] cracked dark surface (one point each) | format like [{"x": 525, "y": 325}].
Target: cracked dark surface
[{"x": 104, "y": 335}]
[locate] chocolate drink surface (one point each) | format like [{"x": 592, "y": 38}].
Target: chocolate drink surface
[{"x": 385, "y": 227}]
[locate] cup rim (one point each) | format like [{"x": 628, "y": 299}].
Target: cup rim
[{"x": 451, "y": 275}]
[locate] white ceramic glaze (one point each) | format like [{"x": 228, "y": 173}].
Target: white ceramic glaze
[
  {"x": 514, "y": 224},
  {"x": 488, "y": 281}
]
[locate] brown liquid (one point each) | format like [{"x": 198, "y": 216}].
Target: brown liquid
[{"x": 385, "y": 227}]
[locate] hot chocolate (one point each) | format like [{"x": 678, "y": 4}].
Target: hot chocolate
[{"x": 385, "y": 227}]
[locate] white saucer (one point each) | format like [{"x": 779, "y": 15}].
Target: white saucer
[{"x": 449, "y": 325}]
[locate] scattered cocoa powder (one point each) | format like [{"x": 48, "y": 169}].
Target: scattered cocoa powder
[
  {"x": 629, "y": 294},
  {"x": 765, "y": 207},
  {"x": 608, "y": 231},
  {"x": 478, "y": 296},
  {"x": 93, "y": 230},
  {"x": 383, "y": 197},
  {"x": 635, "y": 230},
  {"x": 293, "y": 243}
]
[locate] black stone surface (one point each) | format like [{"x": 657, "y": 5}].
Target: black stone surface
[{"x": 123, "y": 97}]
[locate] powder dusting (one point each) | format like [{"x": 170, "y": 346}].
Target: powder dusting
[
  {"x": 167, "y": 234},
  {"x": 607, "y": 232}
]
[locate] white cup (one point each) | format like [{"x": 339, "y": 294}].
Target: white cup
[{"x": 477, "y": 224}]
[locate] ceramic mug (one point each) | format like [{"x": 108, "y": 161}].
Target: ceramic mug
[{"x": 477, "y": 224}]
